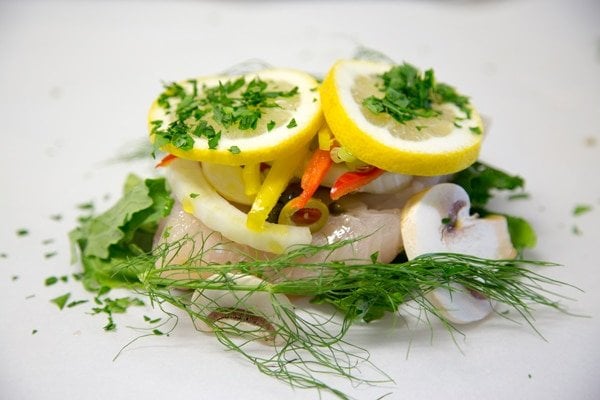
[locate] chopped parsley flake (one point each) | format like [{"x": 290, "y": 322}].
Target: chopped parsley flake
[
  {"x": 476, "y": 130},
  {"x": 581, "y": 209},
  {"x": 33, "y": 332},
  {"x": 50, "y": 281},
  {"x": 50, "y": 254},
  {"x": 86, "y": 206},
  {"x": 76, "y": 303},
  {"x": 77, "y": 276},
  {"x": 270, "y": 125},
  {"x": 518, "y": 196},
  {"x": 56, "y": 217},
  {"x": 151, "y": 320},
  {"x": 110, "y": 326},
  {"x": 22, "y": 232},
  {"x": 194, "y": 195},
  {"x": 292, "y": 123},
  {"x": 61, "y": 301},
  {"x": 234, "y": 150}
]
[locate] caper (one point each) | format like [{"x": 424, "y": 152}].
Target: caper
[
  {"x": 292, "y": 191},
  {"x": 336, "y": 208},
  {"x": 314, "y": 215}
]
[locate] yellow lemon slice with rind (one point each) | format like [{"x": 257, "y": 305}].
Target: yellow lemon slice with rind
[
  {"x": 441, "y": 139},
  {"x": 237, "y": 120}
]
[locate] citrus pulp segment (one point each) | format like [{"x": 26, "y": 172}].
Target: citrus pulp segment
[{"x": 445, "y": 142}]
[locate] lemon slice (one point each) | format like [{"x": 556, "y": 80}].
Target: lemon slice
[
  {"x": 228, "y": 181},
  {"x": 443, "y": 139},
  {"x": 237, "y": 120}
]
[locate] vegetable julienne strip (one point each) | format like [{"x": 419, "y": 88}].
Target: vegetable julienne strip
[
  {"x": 316, "y": 168},
  {"x": 364, "y": 290}
]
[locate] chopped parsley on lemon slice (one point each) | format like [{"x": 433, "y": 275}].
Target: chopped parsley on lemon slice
[
  {"x": 237, "y": 120},
  {"x": 400, "y": 119}
]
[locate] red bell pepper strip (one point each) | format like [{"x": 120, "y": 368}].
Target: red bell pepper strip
[
  {"x": 351, "y": 181},
  {"x": 166, "y": 160},
  {"x": 313, "y": 175}
]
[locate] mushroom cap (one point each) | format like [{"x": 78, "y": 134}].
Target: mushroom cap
[{"x": 437, "y": 220}]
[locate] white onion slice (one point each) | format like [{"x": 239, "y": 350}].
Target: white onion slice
[{"x": 200, "y": 199}]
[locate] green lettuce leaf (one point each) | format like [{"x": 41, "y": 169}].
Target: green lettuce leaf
[{"x": 106, "y": 241}]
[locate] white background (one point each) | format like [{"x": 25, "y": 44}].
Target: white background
[{"x": 77, "y": 78}]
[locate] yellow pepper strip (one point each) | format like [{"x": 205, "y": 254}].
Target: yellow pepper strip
[
  {"x": 325, "y": 138},
  {"x": 276, "y": 181},
  {"x": 251, "y": 179}
]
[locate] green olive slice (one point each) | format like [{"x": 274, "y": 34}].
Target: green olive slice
[{"x": 314, "y": 215}]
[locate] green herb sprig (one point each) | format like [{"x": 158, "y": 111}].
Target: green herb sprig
[{"x": 362, "y": 290}]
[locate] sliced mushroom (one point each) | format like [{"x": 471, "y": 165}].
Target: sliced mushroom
[
  {"x": 438, "y": 220},
  {"x": 459, "y": 305},
  {"x": 243, "y": 308}
]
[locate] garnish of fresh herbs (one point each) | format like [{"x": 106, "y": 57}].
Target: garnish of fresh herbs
[
  {"x": 233, "y": 103},
  {"x": 409, "y": 94}
]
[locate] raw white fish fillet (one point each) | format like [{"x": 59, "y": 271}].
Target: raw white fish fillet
[
  {"x": 379, "y": 231},
  {"x": 197, "y": 239}
]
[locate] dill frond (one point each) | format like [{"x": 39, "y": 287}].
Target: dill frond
[{"x": 313, "y": 345}]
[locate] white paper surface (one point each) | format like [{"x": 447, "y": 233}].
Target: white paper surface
[{"x": 77, "y": 78}]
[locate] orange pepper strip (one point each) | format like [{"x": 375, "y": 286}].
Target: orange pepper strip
[
  {"x": 313, "y": 175},
  {"x": 166, "y": 160},
  {"x": 351, "y": 181}
]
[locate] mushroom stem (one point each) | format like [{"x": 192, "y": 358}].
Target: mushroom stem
[
  {"x": 244, "y": 317},
  {"x": 246, "y": 307}
]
